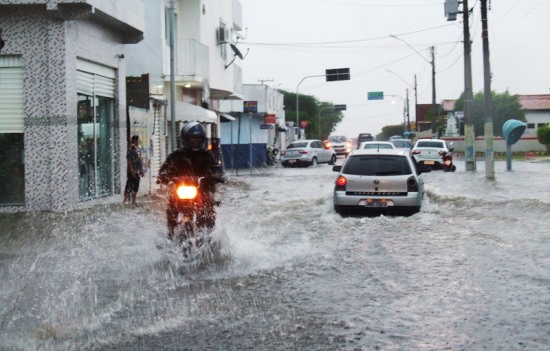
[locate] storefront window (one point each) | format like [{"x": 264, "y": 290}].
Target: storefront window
[{"x": 95, "y": 148}]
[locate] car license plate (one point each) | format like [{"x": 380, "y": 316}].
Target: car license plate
[
  {"x": 291, "y": 161},
  {"x": 376, "y": 203},
  {"x": 428, "y": 162}
]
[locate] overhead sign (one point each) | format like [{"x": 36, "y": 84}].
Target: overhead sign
[
  {"x": 376, "y": 95},
  {"x": 340, "y": 107},
  {"x": 337, "y": 74},
  {"x": 250, "y": 106}
]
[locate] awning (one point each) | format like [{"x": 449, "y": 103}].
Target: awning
[
  {"x": 190, "y": 112},
  {"x": 226, "y": 117}
]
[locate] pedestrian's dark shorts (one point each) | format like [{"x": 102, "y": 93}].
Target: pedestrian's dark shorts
[{"x": 132, "y": 184}]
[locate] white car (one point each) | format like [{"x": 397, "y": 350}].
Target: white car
[
  {"x": 307, "y": 153},
  {"x": 376, "y": 145},
  {"x": 429, "y": 152},
  {"x": 383, "y": 181},
  {"x": 340, "y": 144}
]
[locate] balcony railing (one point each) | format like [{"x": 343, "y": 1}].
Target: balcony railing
[{"x": 191, "y": 61}]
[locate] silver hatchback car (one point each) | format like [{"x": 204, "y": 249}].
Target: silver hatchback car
[
  {"x": 307, "y": 153},
  {"x": 382, "y": 181}
]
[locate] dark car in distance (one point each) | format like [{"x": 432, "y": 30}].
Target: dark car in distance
[{"x": 364, "y": 137}]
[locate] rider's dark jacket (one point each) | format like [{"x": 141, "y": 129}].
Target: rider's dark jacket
[{"x": 183, "y": 162}]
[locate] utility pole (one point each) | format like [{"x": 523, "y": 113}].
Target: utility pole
[
  {"x": 434, "y": 109},
  {"x": 408, "y": 114},
  {"x": 451, "y": 10},
  {"x": 488, "y": 105},
  {"x": 469, "y": 136},
  {"x": 172, "y": 78}
]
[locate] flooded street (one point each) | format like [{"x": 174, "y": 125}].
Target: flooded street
[{"x": 471, "y": 271}]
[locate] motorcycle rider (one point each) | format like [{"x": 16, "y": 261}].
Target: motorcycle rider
[{"x": 192, "y": 159}]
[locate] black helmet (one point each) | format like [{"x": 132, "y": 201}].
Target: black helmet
[{"x": 193, "y": 129}]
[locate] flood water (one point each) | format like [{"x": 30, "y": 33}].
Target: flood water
[{"x": 471, "y": 271}]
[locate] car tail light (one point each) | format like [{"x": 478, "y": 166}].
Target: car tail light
[
  {"x": 304, "y": 152},
  {"x": 416, "y": 152},
  {"x": 412, "y": 185},
  {"x": 341, "y": 183}
]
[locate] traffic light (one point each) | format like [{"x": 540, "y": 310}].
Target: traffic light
[{"x": 337, "y": 74}]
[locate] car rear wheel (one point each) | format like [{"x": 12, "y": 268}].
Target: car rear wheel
[
  {"x": 314, "y": 161},
  {"x": 343, "y": 211}
]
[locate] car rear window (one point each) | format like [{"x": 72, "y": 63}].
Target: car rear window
[
  {"x": 378, "y": 146},
  {"x": 370, "y": 165},
  {"x": 436, "y": 144},
  {"x": 297, "y": 145}
]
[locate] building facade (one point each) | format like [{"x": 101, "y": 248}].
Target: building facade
[
  {"x": 62, "y": 101},
  {"x": 259, "y": 123},
  {"x": 205, "y": 56}
]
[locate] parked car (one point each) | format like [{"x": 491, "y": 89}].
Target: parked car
[
  {"x": 402, "y": 144},
  {"x": 376, "y": 145},
  {"x": 429, "y": 152},
  {"x": 383, "y": 181},
  {"x": 307, "y": 153},
  {"x": 340, "y": 144},
  {"x": 364, "y": 137}
]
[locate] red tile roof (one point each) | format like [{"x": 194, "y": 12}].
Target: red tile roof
[
  {"x": 535, "y": 102},
  {"x": 528, "y": 102}
]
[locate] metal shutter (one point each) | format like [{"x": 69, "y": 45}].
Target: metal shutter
[
  {"x": 94, "y": 78},
  {"x": 11, "y": 95}
]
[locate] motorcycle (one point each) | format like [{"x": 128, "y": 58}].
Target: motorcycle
[
  {"x": 271, "y": 155},
  {"x": 191, "y": 214},
  {"x": 447, "y": 157}
]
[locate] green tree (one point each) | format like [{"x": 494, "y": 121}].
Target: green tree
[
  {"x": 505, "y": 107},
  {"x": 388, "y": 131},
  {"x": 309, "y": 111},
  {"x": 543, "y": 135}
]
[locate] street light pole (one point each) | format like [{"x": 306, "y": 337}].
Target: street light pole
[
  {"x": 405, "y": 108},
  {"x": 298, "y": 98},
  {"x": 415, "y": 96}
]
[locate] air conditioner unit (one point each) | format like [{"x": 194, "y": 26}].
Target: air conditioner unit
[{"x": 222, "y": 35}]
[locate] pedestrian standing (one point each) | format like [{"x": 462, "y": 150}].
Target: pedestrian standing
[{"x": 134, "y": 171}]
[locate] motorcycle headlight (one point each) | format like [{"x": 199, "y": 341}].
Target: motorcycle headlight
[{"x": 186, "y": 192}]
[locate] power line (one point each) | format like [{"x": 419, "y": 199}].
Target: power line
[{"x": 346, "y": 41}]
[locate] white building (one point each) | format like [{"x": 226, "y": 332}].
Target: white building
[
  {"x": 259, "y": 123},
  {"x": 206, "y": 71}
]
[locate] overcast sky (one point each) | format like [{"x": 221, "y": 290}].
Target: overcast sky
[{"x": 289, "y": 40}]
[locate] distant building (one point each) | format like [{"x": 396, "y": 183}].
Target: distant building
[
  {"x": 63, "y": 101},
  {"x": 245, "y": 140},
  {"x": 537, "y": 111}
]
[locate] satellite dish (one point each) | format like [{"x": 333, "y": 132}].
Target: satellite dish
[{"x": 236, "y": 51}]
